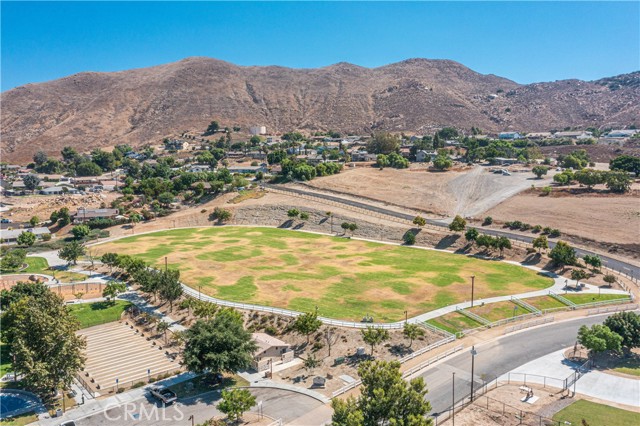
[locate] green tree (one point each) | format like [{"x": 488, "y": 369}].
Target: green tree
[
  {"x": 304, "y": 216},
  {"x": 626, "y": 325},
  {"x": 113, "y": 289},
  {"x": 203, "y": 309},
  {"x": 40, "y": 158},
  {"x": 412, "y": 332},
  {"x": 447, "y": 133},
  {"x": 105, "y": 160},
  {"x": 383, "y": 143},
  {"x": 219, "y": 345},
  {"x": 627, "y": 163},
  {"x": 166, "y": 198},
  {"x": 374, "y": 336},
  {"x": 539, "y": 171},
  {"x": 41, "y": 333},
  {"x": 21, "y": 290},
  {"x": 409, "y": 238},
  {"x": 457, "y": 224},
  {"x": 306, "y": 324},
  {"x": 599, "y": 338},
  {"x": 69, "y": 154},
  {"x": 72, "y": 251},
  {"x": 109, "y": 259},
  {"x": 578, "y": 274},
  {"x": 31, "y": 182},
  {"x": 221, "y": 214},
  {"x": 471, "y": 235},
  {"x": 170, "y": 287},
  {"x": 213, "y": 127},
  {"x": 618, "y": 181},
  {"x": 235, "y": 402},
  {"x": 541, "y": 243},
  {"x": 442, "y": 162},
  {"x": 382, "y": 161},
  {"x": 26, "y": 238},
  {"x": 609, "y": 279},
  {"x": 420, "y": 221},
  {"x": 589, "y": 177},
  {"x": 593, "y": 260},
  {"x": 34, "y": 220},
  {"x": 385, "y": 399},
  {"x": 88, "y": 168},
  {"x": 502, "y": 243},
  {"x": 80, "y": 231},
  {"x": 13, "y": 259},
  {"x": 293, "y": 213},
  {"x": 563, "y": 254},
  {"x": 162, "y": 327}
]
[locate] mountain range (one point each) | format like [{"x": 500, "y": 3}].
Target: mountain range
[{"x": 139, "y": 106}]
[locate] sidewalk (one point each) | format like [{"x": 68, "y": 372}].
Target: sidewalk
[{"x": 594, "y": 383}]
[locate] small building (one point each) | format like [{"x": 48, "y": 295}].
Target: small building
[
  {"x": 621, "y": 133},
  {"x": 175, "y": 145},
  {"x": 505, "y": 161},
  {"x": 59, "y": 190},
  {"x": 85, "y": 215},
  {"x": 538, "y": 135},
  {"x": 84, "y": 181},
  {"x": 270, "y": 351},
  {"x": 198, "y": 168},
  {"x": 247, "y": 169},
  {"x": 10, "y": 236},
  {"x": 363, "y": 156},
  {"x": 509, "y": 135}
]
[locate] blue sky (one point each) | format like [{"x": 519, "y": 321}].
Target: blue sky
[{"x": 526, "y": 42}]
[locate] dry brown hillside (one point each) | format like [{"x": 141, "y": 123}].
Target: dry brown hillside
[{"x": 138, "y": 106}]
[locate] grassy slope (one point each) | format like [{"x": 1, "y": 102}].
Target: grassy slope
[
  {"x": 579, "y": 299},
  {"x": 39, "y": 265},
  {"x": 545, "y": 302},
  {"x": 90, "y": 314},
  {"x": 596, "y": 414},
  {"x": 344, "y": 278}
]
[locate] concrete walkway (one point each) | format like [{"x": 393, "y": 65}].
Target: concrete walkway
[{"x": 594, "y": 383}]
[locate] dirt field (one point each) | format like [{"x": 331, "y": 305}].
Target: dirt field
[
  {"x": 346, "y": 279},
  {"x": 612, "y": 219},
  {"x": 468, "y": 192}
]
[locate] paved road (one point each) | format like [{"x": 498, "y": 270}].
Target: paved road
[
  {"x": 627, "y": 268},
  {"x": 276, "y": 403},
  {"x": 498, "y": 357}
]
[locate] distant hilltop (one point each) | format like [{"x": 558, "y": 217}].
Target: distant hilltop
[{"x": 140, "y": 106}]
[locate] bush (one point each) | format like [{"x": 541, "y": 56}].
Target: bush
[
  {"x": 530, "y": 250},
  {"x": 271, "y": 330},
  {"x": 525, "y": 227},
  {"x": 120, "y": 390},
  {"x": 137, "y": 385},
  {"x": 609, "y": 279},
  {"x": 409, "y": 238},
  {"x": 46, "y": 237},
  {"x": 487, "y": 221},
  {"x": 554, "y": 233},
  {"x": 536, "y": 229},
  {"x": 546, "y": 191},
  {"x": 546, "y": 230}
]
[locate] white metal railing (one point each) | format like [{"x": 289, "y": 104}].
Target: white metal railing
[
  {"x": 473, "y": 316},
  {"x": 562, "y": 299},
  {"x": 427, "y": 348},
  {"x": 430, "y": 361},
  {"x": 526, "y": 305},
  {"x": 528, "y": 324}
]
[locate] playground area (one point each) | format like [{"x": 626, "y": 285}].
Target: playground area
[{"x": 346, "y": 279}]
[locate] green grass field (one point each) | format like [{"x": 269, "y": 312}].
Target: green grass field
[
  {"x": 580, "y": 299},
  {"x": 499, "y": 310},
  {"x": 629, "y": 366},
  {"x": 454, "y": 322},
  {"x": 90, "y": 314},
  {"x": 39, "y": 265},
  {"x": 545, "y": 302},
  {"x": 596, "y": 415},
  {"x": 345, "y": 278}
]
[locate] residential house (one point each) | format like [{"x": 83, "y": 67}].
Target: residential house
[
  {"x": 363, "y": 156},
  {"x": 509, "y": 135},
  {"x": 175, "y": 145},
  {"x": 258, "y": 155},
  {"x": 423, "y": 156},
  {"x": 258, "y": 130},
  {"x": 10, "y": 236},
  {"x": 573, "y": 135},
  {"x": 85, "y": 215},
  {"x": 84, "y": 181},
  {"x": 538, "y": 135},
  {"x": 197, "y": 168},
  {"x": 247, "y": 169},
  {"x": 405, "y": 151},
  {"x": 621, "y": 133},
  {"x": 58, "y": 190}
]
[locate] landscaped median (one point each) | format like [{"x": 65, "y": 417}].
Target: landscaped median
[{"x": 344, "y": 278}]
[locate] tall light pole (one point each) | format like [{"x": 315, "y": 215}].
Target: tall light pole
[
  {"x": 473, "y": 282},
  {"x": 473, "y": 357},
  {"x": 453, "y": 400}
]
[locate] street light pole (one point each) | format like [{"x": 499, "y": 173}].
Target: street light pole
[
  {"x": 406, "y": 317},
  {"x": 473, "y": 358},
  {"x": 473, "y": 282},
  {"x": 453, "y": 400}
]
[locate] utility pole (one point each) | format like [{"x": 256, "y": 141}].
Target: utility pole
[
  {"x": 166, "y": 265},
  {"x": 406, "y": 318}
]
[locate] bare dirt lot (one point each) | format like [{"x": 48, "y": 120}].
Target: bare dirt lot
[
  {"x": 613, "y": 219},
  {"x": 468, "y": 192},
  {"x": 23, "y": 208}
]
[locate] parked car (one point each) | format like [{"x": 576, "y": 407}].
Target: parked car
[
  {"x": 163, "y": 394},
  {"x": 4, "y": 220},
  {"x": 505, "y": 173}
]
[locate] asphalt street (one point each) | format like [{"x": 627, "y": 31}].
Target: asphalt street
[
  {"x": 276, "y": 403},
  {"x": 624, "y": 267},
  {"x": 498, "y": 357}
]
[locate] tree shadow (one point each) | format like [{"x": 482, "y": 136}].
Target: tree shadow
[
  {"x": 286, "y": 224},
  {"x": 447, "y": 241},
  {"x": 400, "y": 350}
]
